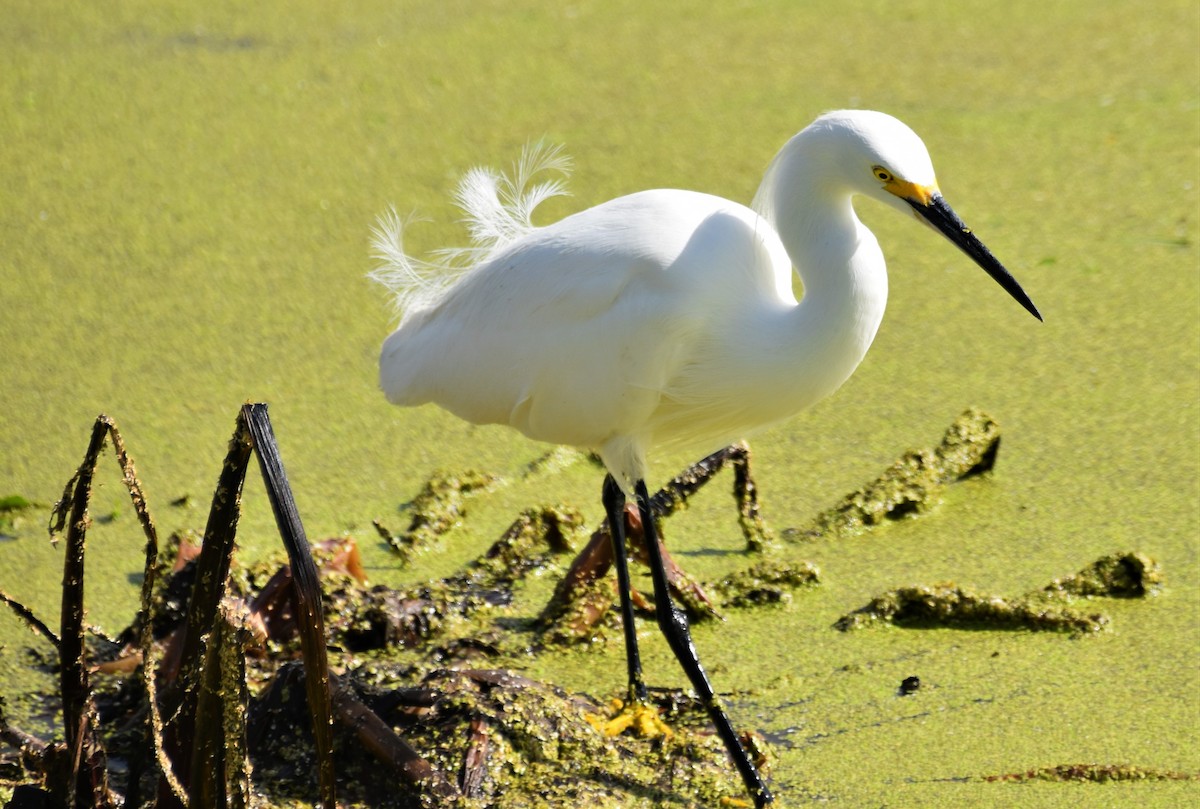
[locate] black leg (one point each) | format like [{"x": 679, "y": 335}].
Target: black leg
[
  {"x": 674, "y": 625},
  {"x": 614, "y": 507}
]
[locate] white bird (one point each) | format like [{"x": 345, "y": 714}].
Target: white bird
[{"x": 663, "y": 317}]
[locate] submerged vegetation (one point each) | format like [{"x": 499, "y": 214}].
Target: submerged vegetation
[{"x": 12, "y": 510}]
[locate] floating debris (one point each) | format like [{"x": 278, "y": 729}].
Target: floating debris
[
  {"x": 915, "y": 481},
  {"x": 225, "y": 666},
  {"x": 364, "y": 619},
  {"x": 583, "y": 616},
  {"x": 969, "y": 446},
  {"x": 1096, "y": 773},
  {"x": 675, "y": 494}
]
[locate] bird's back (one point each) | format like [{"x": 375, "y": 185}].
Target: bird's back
[{"x": 575, "y": 332}]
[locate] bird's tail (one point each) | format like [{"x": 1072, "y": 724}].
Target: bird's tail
[{"x": 498, "y": 210}]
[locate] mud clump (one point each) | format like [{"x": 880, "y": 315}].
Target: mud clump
[
  {"x": 766, "y": 582},
  {"x": 951, "y": 605},
  {"x": 379, "y": 618},
  {"x": 440, "y": 505},
  {"x": 1120, "y": 575},
  {"x": 914, "y": 482}
]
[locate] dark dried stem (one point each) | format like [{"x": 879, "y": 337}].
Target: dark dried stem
[
  {"x": 378, "y": 737},
  {"x": 306, "y": 589},
  {"x": 28, "y": 617},
  {"x": 78, "y": 709}
]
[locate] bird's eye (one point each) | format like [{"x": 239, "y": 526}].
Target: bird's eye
[{"x": 882, "y": 174}]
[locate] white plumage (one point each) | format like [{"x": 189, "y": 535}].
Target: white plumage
[{"x": 662, "y": 317}]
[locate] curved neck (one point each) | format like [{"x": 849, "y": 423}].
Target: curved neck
[{"x": 838, "y": 261}]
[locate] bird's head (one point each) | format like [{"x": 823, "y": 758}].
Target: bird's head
[{"x": 880, "y": 157}]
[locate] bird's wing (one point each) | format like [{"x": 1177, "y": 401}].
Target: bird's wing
[
  {"x": 573, "y": 333},
  {"x": 542, "y": 336}
]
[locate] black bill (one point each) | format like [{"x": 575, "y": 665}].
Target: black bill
[{"x": 939, "y": 214}]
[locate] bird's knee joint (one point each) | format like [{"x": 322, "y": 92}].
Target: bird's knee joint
[
  {"x": 673, "y": 623},
  {"x": 673, "y": 619}
]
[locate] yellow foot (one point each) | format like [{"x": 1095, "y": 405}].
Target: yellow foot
[{"x": 642, "y": 718}]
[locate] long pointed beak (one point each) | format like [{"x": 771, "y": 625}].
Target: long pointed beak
[{"x": 940, "y": 215}]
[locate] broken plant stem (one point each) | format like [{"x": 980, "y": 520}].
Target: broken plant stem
[
  {"x": 306, "y": 590},
  {"x": 88, "y": 770},
  {"x": 378, "y": 737}
]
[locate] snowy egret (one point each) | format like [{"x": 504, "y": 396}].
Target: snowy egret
[{"x": 664, "y": 317}]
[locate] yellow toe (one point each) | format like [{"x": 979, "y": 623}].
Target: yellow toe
[{"x": 643, "y": 718}]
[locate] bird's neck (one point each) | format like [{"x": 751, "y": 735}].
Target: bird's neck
[{"x": 841, "y": 267}]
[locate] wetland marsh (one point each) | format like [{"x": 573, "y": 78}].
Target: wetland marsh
[{"x": 188, "y": 195}]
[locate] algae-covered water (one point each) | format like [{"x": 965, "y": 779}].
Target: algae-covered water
[{"x": 186, "y": 198}]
